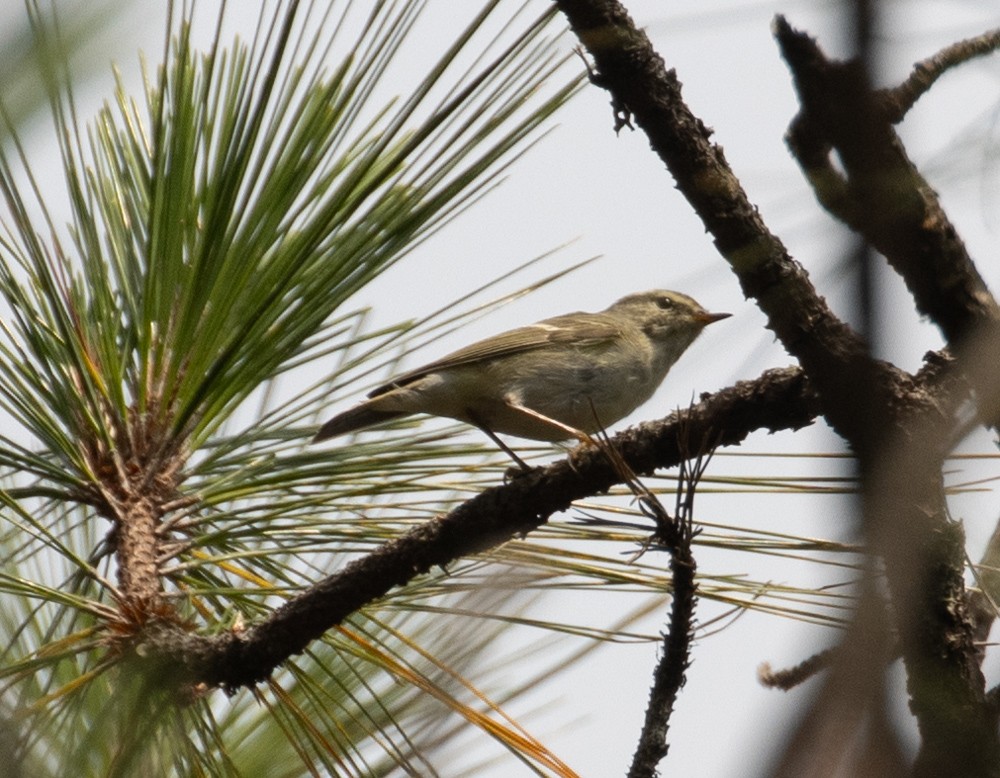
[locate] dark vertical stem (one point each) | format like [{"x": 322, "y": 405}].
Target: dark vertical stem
[{"x": 864, "y": 24}]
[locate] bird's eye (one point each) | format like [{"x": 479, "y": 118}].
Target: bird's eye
[{"x": 665, "y": 303}]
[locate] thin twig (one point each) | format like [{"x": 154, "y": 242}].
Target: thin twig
[
  {"x": 900, "y": 99},
  {"x": 676, "y": 536},
  {"x": 791, "y": 677}
]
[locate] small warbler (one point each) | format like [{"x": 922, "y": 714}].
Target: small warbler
[{"x": 560, "y": 378}]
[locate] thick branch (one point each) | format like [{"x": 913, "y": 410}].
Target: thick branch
[
  {"x": 923, "y": 550},
  {"x": 779, "y": 399},
  {"x": 868, "y": 403},
  {"x": 881, "y": 195},
  {"x": 852, "y": 387}
]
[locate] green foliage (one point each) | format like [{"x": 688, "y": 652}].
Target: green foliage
[{"x": 218, "y": 226}]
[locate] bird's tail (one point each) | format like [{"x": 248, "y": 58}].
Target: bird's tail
[{"x": 354, "y": 419}]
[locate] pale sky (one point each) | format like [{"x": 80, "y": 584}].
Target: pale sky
[{"x": 612, "y": 197}]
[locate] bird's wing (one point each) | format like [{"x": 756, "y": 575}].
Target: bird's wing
[{"x": 581, "y": 328}]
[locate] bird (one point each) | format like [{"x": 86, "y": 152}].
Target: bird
[{"x": 560, "y": 378}]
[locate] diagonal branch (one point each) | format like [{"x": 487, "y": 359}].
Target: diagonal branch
[
  {"x": 867, "y": 402},
  {"x": 834, "y": 357},
  {"x": 900, "y": 99},
  {"x": 880, "y": 195},
  {"x": 778, "y": 399}
]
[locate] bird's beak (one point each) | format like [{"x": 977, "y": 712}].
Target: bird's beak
[{"x": 707, "y": 318}]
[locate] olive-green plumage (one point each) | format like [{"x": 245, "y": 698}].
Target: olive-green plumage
[{"x": 570, "y": 374}]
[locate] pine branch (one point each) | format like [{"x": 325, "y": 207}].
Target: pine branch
[{"x": 778, "y": 399}]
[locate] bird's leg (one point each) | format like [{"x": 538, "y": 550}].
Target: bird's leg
[
  {"x": 480, "y": 425},
  {"x": 570, "y": 432}
]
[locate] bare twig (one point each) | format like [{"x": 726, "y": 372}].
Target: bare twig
[
  {"x": 676, "y": 535},
  {"x": 900, "y": 99},
  {"x": 791, "y": 677}
]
